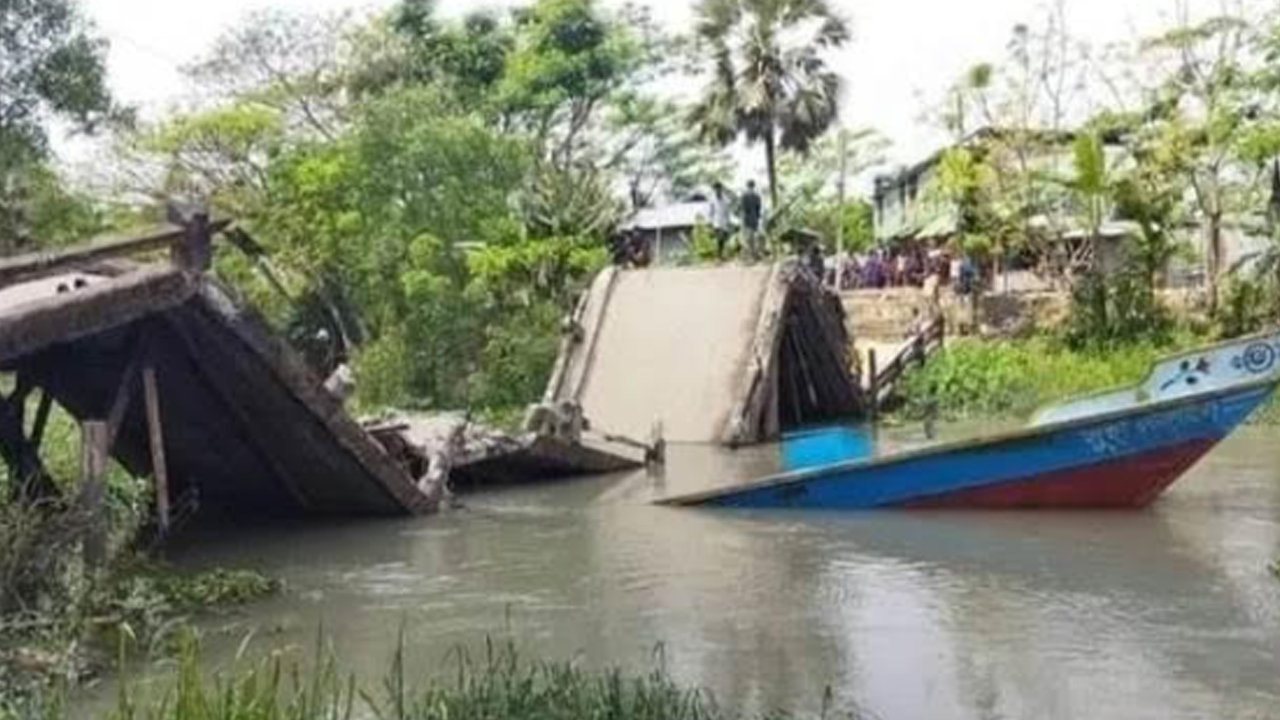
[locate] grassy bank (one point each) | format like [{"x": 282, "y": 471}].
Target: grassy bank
[
  {"x": 491, "y": 683},
  {"x": 974, "y": 379}
]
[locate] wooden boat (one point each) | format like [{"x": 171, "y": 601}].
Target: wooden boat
[{"x": 1118, "y": 449}]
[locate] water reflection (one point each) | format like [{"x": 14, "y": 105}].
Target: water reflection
[{"x": 1166, "y": 613}]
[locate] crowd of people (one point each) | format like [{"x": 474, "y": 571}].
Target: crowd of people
[{"x": 901, "y": 267}]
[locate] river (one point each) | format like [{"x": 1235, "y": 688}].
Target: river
[{"x": 1165, "y": 613}]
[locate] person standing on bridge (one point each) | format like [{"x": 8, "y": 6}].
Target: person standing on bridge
[
  {"x": 720, "y": 217},
  {"x": 752, "y": 210}
]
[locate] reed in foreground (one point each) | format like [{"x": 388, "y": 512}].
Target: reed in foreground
[{"x": 500, "y": 685}]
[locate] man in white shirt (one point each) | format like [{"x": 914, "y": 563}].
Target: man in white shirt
[{"x": 720, "y": 217}]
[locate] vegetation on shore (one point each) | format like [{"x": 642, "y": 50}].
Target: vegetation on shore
[
  {"x": 59, "y": 619},
  {"x": 1011, "y": 378},
  {"x": 494, "y": 683}
]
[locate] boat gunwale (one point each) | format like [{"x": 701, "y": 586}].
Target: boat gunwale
[{"x": 1027, "y": 431}]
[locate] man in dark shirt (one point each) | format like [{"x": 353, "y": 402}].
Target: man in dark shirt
[{"x": 752, "y": 208}]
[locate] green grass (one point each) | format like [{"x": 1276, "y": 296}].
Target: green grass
[
  {"x": 1012, "y": 378},
  {"x": 499, "y": 685}
]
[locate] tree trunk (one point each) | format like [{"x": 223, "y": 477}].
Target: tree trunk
[
  {"x": 1213, "y": 261},
  {"x": 771, "y": 164}
]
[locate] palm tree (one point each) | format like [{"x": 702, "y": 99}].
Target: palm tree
[
  {"x": 1092, "y": 186},
  {"x": 769, "y": 81}
]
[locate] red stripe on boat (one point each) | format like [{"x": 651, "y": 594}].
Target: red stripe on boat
[{"x": 1130, "y": 482}]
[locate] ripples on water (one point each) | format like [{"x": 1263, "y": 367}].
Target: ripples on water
[{"x": 1158, "y": 614}]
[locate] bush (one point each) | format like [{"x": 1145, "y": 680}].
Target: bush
[
  {"x": 975, "y": 379},
  {"x": 1117, "y": 309},
  {"x": 1245, "y": 308},
  {"x": 517, "y": 358}
]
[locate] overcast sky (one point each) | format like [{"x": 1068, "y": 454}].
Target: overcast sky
[{"x": 905, "y": 52}]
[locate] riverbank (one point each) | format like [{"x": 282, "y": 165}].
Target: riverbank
[
  {"x": 491, "y": 682},
  {"x": 1010, "y": 378},
  {"x": 61, "y": 621}
]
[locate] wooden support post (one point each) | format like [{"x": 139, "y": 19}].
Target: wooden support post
[
  {"x": 195, "y": 252},
  {"x": 159, "y": 469},
  {"x": 93, "y": 471},
  {"x": 42, "y": 419},
  {"x": 30, "y": 478},
  {"x": 874, "y": 393},
  {"x": 124, "y": 391}
]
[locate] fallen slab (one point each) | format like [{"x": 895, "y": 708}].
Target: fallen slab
[
  {"x": 482, "y": 456},
  {"x": 729, "y": 354}
]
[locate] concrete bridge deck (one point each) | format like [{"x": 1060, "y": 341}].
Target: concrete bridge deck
[{"x": 729, "y": 354}]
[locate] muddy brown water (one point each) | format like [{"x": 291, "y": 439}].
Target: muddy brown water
[{"x": 1165, "y": 613}]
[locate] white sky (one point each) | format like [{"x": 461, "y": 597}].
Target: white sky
[{"x": 905, "y": 52}]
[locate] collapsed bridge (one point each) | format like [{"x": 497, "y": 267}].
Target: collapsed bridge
[
  {"x": 181, "y": 383},
  {"x": 730, "y": 354}
]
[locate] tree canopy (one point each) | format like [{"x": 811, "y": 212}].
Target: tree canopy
[{"x": 51, "y": 68}]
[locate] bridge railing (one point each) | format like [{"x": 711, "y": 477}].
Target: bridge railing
[
  {"x": 928, "y": 340},
  {"x": 189, "y": 245}
]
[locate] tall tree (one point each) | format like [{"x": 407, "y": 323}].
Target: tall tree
[
  {"x": 770, "y": 82},
  {"x": 51, "y": 67},
  {"x": 469, "y": 56},
  {"x": 1202, "y": 110},
  {"x": 292, "y": 62},
  {"x": 571, "y": 58}
]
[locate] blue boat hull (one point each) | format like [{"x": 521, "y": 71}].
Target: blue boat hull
[{"x": 1125, "y": 459}]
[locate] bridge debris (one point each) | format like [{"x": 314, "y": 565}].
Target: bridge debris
[{"x": 247, "y": 428}]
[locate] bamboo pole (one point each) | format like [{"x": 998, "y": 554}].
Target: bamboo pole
[
  {"x": 874, "y": 394},
  {"x": 159, "y": 469}
]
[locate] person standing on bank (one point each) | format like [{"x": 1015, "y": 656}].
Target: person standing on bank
[
  {"x": 752, "y": 209},
  {"x": 720, "y": 217}
]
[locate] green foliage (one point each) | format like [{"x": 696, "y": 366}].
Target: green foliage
[
  {"x": 54, "y": 67},
  {"x": 566, "y": 51},
  {"x": 703, "y": 242},
  {"x": 38, "y": 209},
  {"x": 965, "y": 182},
  {"x": 496, "y": 683},
  {"x": 51, "y": 67},
  {"x": 470, "y": 56},
  {"x": 382, "y": 222},
  {"x": 1091, "y": 182},
  {"x": 1117, "y": 308},
  {"x": 573, "y": 201},
  {"x": 38, "y": 546},
  {"x": 268, "y": 690},
  {"x": 150, "y": 605},
  {"x": 1247, "y": 307},
  {"x": 520, "y": 348},
  {"x": 222, "y": 155},
  {"x": 975, "y": 379}
]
